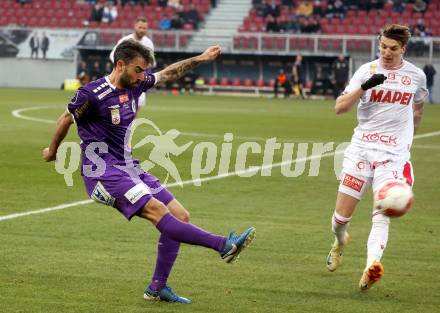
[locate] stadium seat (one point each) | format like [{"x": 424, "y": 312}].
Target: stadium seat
[
  {"x": 235, "y": 82},
  {"x": 248, "y": 82},
  {"x": 224, "y": 81}
]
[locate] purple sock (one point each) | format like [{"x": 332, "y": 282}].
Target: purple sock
[
  {"x": 189, "y": 233},
  {"x": 167, "y": 250}
]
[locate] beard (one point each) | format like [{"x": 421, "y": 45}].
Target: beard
[{"x": 126, "y": 83}]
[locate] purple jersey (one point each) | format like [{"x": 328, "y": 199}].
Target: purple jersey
[{"x": 103, "y": 113}]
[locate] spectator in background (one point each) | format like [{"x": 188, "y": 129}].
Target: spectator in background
[
  {"x": 174, "y": 4},
  {"x": 283, "y": 24},
  {"x": 321, "y": 81},
  {"x": 108, "y": 68},
  {"x": 165, "y": 23},
  {"x": 34, "y": 44},
  {"x": 272, "y": 25},
  {"x": 399, "y": 6},
  {"x": 299, "y": 75},
  {"x": 305, "y": 8},
  {"x": 44, "y": 45},
  {"x": 82, "y": 73},
  {"x": 192, "y": 16},
  {"x": 176, "y": 22},
  {"x": 340, "y": 75},
  {"x": 271, "y": 8},
  {"x": 317, "y": 8},
  {"x": 430, "y": 73},
  {"x": 282, "y": 81},
  {"x": 162, "y": 3},
  {"x": 419, "y": 6},
  {"x": 339, "y": 9},
  {"x": 96, "y": 72},
  {"x": 96, "y": 15},
  {"x": 109, "y": 13}
]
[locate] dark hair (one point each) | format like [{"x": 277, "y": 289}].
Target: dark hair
[
  {"x": 399, "y": 33},
  {"x": 130, "y": 49},
  {"x": 140, "y": 19}
]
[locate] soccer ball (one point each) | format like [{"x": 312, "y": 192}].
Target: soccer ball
[{"x": 394, "y": 198}]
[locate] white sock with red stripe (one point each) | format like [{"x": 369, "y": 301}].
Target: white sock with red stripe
[
  {"x": 340, "y": 226},
  {"x": 377, "y": 241}
]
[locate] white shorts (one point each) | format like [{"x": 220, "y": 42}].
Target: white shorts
[
  {"x": 362, "y": 168},
  {"x": 142, "y": 99}
]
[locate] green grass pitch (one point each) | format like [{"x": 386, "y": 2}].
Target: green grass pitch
[{"x": 88, "y": 258}]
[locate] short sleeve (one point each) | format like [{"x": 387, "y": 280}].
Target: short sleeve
[
  {"x": 356, "y": 81},
  {"x": 149, "y": 82},
  {"x": 421, "y": 92},
  {"x": 80, "y": 104}
]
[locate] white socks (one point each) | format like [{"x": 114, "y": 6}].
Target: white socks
[
  {"x": 377, "y": 241},
  {"x": 339, "y": 227}
]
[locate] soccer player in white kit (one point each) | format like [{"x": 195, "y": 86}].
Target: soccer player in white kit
[
  {"x": 140, "y": 35},
  {"x": 390, "y": 93}
]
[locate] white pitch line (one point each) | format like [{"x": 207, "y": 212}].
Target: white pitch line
[
  {"x": 18, "y": 114},
  {"x": 186, "y": 182},
  {"x": 221, "y": 176}
]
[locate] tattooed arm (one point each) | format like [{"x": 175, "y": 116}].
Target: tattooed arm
[{"x": 178, "y": 69}]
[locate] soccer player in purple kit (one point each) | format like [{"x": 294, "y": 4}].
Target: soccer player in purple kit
[{"x": 103, "y": 111}]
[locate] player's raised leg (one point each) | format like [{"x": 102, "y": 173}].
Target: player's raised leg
[{"x": 156, "y": 212}]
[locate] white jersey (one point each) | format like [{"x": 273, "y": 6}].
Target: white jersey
[
  {"x": 385, "y": 112},
  {"x": 144, "y": 41}
]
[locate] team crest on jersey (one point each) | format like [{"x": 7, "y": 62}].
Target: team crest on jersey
[
  {"x": 406, "y": 80},
  {"x": 123, "y": 98},
  {"x": 116, "y": 117},
  {"x": 373, "y": 68}
]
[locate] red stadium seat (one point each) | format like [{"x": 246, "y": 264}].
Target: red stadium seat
[
  {"x": 248, "y": 82},
  {"x": 224, "y": 81},
  {"x": 260, "y": 83},
  {"x": 212, "y": 81},
  {"x": 235, "y": 82}
]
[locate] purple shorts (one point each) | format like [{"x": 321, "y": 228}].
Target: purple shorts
[{"x": 125, "y": 192}]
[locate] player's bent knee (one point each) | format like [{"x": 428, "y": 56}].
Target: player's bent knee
[
  {"x": 183, "y": 216},
  {"x": 154, "y": 210}
]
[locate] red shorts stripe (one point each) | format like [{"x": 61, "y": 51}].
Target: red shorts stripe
[{"x": 408, "y": 173}]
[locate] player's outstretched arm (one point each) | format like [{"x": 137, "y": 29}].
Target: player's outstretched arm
[
  {"x": 175, "y": 71},
  {"x": 63, "y": 125},
  {"x": 346, "y": 102},
  {"x": 418, "y": 113}
]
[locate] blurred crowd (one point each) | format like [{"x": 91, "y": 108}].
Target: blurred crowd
[{"x": 304, "y": 16}]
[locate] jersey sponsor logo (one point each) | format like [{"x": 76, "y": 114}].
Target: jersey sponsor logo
[
  {"x": 406, "y": 80},
  {"x": 100, "y": 194},
  {"x": 135, "y": 193},
  {"x": 123, "y": 98},
  {"x": 102, "y": 95},
  {"x": 391, "y": 76},
  {"x": 116, "y": 117},
  {"x": 390, "y": 96},
  {"x": 376, "y": 137},
  {"x": 116, "y": 106},
  {"x": 79, "y": 111},
  {"x": 353, "y": 182}
]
